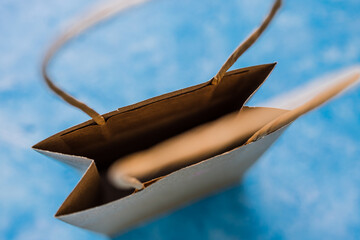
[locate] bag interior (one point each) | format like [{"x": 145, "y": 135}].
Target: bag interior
[{"x": 140, "y": 126}]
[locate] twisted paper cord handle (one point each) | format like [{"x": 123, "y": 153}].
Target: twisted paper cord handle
[
  {"x": 315, "y": 102},
  {"x": 110, "y": 10},
  {"x": 247, "y": 43},
  {"x": 92, "y": 19}
]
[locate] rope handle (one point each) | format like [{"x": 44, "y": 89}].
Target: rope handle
[
  {"x": 313, "y": 103},
  {"x": 247, "y": 43},
  {"x": 106, "y": 11},
  {"x": 100, "y": 14}
]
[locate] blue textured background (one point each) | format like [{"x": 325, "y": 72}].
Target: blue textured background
[{"x": 305, "y": 187}]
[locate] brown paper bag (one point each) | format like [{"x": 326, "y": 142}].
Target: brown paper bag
[{"x": 151, "y": 157}]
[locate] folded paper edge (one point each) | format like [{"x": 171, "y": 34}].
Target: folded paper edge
[{"x": 80, "y": 163}]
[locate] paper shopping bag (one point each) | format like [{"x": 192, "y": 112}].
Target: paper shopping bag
[{"x": 157, "y": 155}]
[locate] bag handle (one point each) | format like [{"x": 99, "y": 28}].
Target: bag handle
[
  {"x": 110, "y": 10},
  {"x": 323, "y": 96},
  {"x": 250, "y": 40}
]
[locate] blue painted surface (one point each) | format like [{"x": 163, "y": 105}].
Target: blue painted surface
[{"x": 305, "y": 187}]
